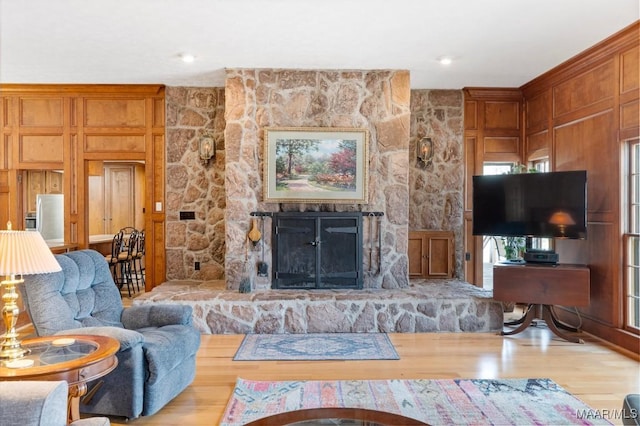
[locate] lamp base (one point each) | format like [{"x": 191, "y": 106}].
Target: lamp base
[
  {"x": 10, "y": 347},
  {"x": 12, "y": 351}
]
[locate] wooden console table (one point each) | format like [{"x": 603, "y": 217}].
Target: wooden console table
[{"x": 542, "y": 286}]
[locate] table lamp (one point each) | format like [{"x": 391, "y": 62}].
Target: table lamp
[
  {"x": 561, "y": 219},
  {"x": 21, "y": 253}
]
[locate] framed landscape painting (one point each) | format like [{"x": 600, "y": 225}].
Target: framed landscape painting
[{"x": 315, "y": 165}]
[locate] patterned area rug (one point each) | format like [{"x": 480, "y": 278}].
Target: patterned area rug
[
  {"x": 315, "y": 347},
  {"x": 435, "y": 402}
]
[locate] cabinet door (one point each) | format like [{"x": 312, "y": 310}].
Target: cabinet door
[
  {"x": 417, "y": 255},
  {"x": 431, "y": 254},
  {"x": 53, "y": 182},
  {"x": 36, "y": 184},
  {"x": 439, "y": 250}
]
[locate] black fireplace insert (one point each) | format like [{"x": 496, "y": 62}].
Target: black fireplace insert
[{"x": 317, "y": 250}]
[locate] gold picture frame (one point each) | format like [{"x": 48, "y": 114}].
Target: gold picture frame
[{"x": 316, "y": 165}]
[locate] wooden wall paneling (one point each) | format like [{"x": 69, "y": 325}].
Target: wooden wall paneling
[
  {"x": 501, "y": 115},
  {"x": 537, "y": 119},
  {"x": 5, "y": 198},
  {"x": 589, "y": 145},
  {"x": 595, "y": 97},
  {"x": 5, "y": 131},
  {"x": 471, "y": 158},
  {"x": 629, "y": 78},
  {"x": 114, "y": 112},
  {"x": 122, "y": 118},
  {"x": 155, "y": 218},
  {"x": 493, "y": 133},
  {"x": 502, "y": 148},
  {"x": 605, "y": 266},
  {"x": 629, "y": 94},
  {"x": 140, "y": 196},
  {"x": 41, "y": 131},
  {"x": 585, "y": 90},
  {"x": 537, "y": 146}
]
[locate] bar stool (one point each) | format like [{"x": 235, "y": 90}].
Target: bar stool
[
  {"x": 138, "y": 255},
  {"x": 125, "y": 258},
  {"x": 112, "y": 259}
]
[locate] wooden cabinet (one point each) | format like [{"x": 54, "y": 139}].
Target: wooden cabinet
[
  {"x": 563, "y": 284},
  {"x": 542, "y": 286},
  {"x": 41, "y": 182},
  {"x": 431, "y": 254}
]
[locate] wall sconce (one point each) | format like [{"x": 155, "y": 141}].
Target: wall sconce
[
  {"x": 206, "y": 148},
  {"x": 425, "y": 151}
]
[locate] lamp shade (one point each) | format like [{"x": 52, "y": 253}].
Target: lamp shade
[
  {"x": 25, "y": 253},
  {"x": 561, "y": 218}
]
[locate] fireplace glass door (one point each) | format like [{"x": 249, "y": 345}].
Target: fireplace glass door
[{"x": 317, "y": 250}]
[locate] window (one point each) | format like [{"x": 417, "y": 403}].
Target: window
[
  {"x": 632, "y": 237},
  {"x": 542, "y": 166}
]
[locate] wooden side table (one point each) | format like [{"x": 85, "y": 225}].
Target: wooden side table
[
  {"x": 542, "y": 286},
  {"x": 78, "y": 359}
]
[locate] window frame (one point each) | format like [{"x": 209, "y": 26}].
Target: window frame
[{"x": 631, "y": 230}]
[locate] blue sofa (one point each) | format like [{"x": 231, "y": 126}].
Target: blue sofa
[
  {"x": 38, "y": 403},
  {"x": 158, "y": 344}
]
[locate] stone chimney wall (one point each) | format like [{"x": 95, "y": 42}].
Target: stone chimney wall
[
  {"x": 375, "y": 100},
  {"x": 437, "y": 190},
  {"x": 193, "y": 186}
]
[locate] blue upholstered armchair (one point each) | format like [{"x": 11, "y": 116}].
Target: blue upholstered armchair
[{"x": 158, "y": 345}]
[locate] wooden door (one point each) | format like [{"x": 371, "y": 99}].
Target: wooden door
[{"x": 119, "y": 197}]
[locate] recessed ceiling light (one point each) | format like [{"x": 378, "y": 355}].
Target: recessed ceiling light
[
  {"x": 445, "y": 60},
  {"x": 187, "y": 57}
]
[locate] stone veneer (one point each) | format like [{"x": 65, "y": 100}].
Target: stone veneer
[
  {"x": 436, "y": 191},
  {"x": 423, "y": 306},
  {"x": 192, "y": 186},
  {"x": 374, "y": 100}
]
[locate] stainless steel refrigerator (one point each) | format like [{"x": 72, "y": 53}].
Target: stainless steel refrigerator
[{"x": 50, "y": 216}]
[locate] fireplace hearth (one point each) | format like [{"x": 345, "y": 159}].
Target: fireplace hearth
[{"x": 317, "y": 250}]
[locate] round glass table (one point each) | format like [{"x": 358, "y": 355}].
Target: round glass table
[{"x": 337, "y": 416}]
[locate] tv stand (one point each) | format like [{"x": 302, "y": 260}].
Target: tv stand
[{"x": 541, "y": 286}]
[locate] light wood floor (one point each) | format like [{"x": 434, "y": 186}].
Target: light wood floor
[{"x": 594, "y": 372}]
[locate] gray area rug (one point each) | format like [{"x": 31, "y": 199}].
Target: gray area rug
[{"x": 316, "y": 347}]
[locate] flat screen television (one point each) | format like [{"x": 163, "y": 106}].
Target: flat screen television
[{"x": 548, "y": 205}]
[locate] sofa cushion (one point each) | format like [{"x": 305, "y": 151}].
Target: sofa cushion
[
  {"x": 631, "y": 410},
  {"x": 166, "y": 347}
]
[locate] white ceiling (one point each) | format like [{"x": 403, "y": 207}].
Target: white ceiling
[{"x": 494, "y": 43}]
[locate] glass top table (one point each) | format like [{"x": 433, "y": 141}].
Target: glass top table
[{"x": 337, "y": 416}]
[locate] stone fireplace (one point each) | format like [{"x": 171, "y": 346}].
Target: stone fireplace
[{"x": 375, "y": 100}]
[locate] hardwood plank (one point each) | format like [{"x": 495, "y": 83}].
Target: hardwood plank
[{"x": 594, "y": 371}]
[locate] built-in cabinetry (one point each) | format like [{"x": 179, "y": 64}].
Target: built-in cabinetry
[
  {"x": 431, "y": 254},
  {"x": 51, "y": 128},
  {"x": 40, "y": 182}
]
